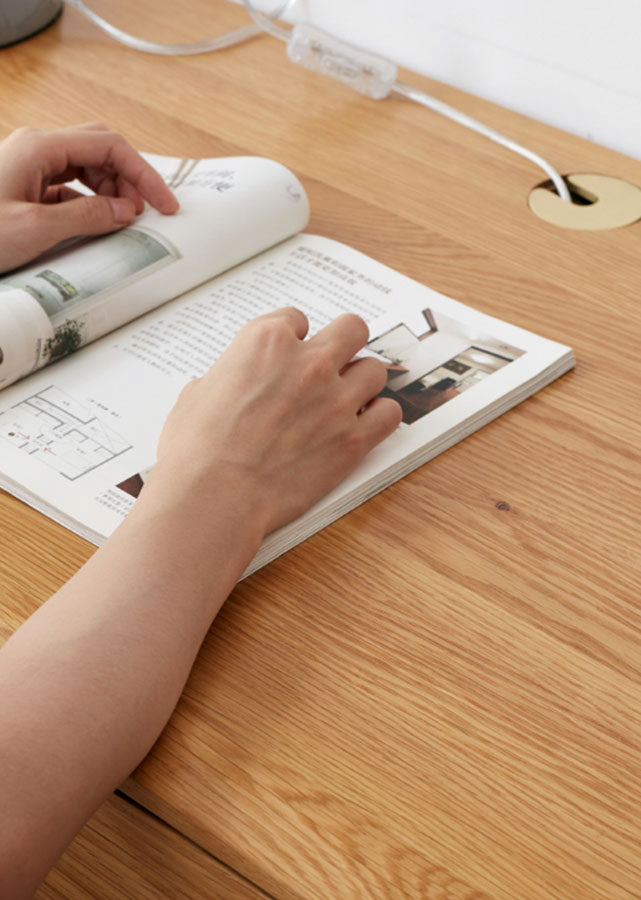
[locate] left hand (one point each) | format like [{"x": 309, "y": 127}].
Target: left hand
[{"x": 37, "y": 207}]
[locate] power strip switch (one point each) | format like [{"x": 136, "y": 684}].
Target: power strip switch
[{"x": 321, "y": 52}]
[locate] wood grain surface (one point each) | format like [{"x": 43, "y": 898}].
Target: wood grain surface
[
  {"x": 439, "y": 696},
  {"x": 125, "y": 852}
]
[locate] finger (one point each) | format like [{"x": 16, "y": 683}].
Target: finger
[
  {"x": 98, "y": 149},
  {"x": 99, "y": 181},
  {"x": 82, "y": 216},
  {"x": 70, "y": 174},
  {"x": 84, "y": 127},
  {"x": 379, "y": 419},
  {"x": 108, "y": 184},
  {"x": 60, "y": 193},
  {"x": 364, "y": 379},
  {"x": 124, "y": 189},
  {"x": 345, "y": 336},
  {"x": 293, "y": 316},
  {"x": 89, "y": 126},
  {"x": 103, "y": 183}
]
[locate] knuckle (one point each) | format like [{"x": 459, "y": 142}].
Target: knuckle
[
  {"x": 28, "y": 220},
  {"x": 118, "y": 142},
  {"x": 319, "y": 365},
  {"x": 353, "y": 443},
  {"x": 27, "y": 216},
  {"x": 24, "y": 132},
  {"x": 90, "y": 211},
  {"x": 338, "y": 409},
  {"x": 104, "y": 184},
  {"x": 292, "y": 311},
  {"x": 269, "y": 331},
  {"x": 345, "y": 409},
  {"x": 187, "y": 397},
  {"x": 117, "y": 148},
  {"x": 28, "y": 234},
  {"x": 188, "y": 389},
  {"x": 29, "y": 140}
]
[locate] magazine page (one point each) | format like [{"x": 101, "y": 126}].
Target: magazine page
[
  {"x": 453, "y": 369},
  {"x": 230, "y": 209},
  {"x": 78, "y": 438}
]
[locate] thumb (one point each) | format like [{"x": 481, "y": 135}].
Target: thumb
[{"x": 83, "y": 216}]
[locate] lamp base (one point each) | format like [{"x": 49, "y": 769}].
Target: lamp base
[{"x": 21, "y": 19}]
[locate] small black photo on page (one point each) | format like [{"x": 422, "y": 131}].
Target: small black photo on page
[
  {"x": 132, "y": 485},
  {"x": 443, "y": 360}
]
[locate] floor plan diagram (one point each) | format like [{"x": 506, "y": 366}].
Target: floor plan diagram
[{"x": 61, "y": 433}]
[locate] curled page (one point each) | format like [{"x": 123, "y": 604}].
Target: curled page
[
  {"x": 25, "y": 334},
  {"x": 230, "y": 210}
]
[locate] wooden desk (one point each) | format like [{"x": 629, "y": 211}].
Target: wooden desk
[
  {"x": 439, "y": 696},
  {"x": 124, "y": 852}
]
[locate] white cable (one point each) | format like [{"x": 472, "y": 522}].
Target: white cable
[
  {"x": 375, "y": 77},
  {"x": 266, "y": 23},
  {"x": 313, "y": 48},
  {"x": 438, "y": 106},
  {"x": 217, "y": 43}
]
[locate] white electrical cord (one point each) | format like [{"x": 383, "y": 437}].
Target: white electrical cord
[
  {"x": 217, "y": 43},
  {"x": 266, "y": 23},
  {"x": 364, "y": 72},
  {"x": 438, "y": 106},
  {"x": 372, "y": 76}
]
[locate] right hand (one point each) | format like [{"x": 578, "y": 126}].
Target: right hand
[{"x": 282, "y": 419}]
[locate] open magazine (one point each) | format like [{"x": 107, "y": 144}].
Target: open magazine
[{"x": 98, "y": 338}]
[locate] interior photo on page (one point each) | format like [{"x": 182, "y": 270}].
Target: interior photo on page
[
  {"x": 71, "y": 288},
  {"x": 427, "y": 369}
]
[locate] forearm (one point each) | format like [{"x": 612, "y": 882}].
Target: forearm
[{"x": 87, "y": 684}]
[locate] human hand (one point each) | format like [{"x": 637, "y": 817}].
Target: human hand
[
  {"x": 37, "y": 207},
  {"x": 277, "y": 422}
]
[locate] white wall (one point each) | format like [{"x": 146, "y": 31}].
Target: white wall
[{"x": 575, "y": 64}]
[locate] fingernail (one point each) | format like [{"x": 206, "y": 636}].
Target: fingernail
[{"x": 123, "y": 210}]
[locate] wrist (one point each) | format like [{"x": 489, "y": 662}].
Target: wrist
[{"x": 207, "y": 515}]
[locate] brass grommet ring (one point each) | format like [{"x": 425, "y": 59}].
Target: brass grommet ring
[{"x": 600, "y": 203}]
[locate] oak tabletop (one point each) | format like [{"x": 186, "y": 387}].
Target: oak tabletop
[
  {"x": 123, "y": 851},
  {"x": 439, "y": 696}
]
